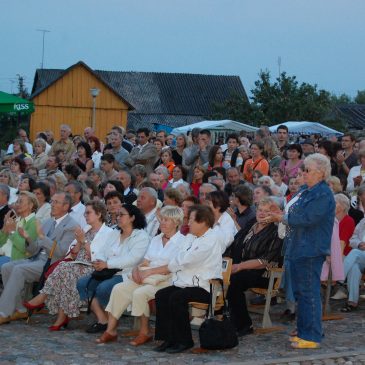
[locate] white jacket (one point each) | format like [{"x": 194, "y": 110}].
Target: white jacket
[
  {"x": 354, "y": 171},
  {"x": 129, "y": 253},
  {"x": 198, "y": 261},
  {"x": 226, "y": 227}
]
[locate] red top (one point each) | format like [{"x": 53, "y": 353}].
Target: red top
[
  {"x": 195, "y": 188},
  {"x": 346, "y": 227}
]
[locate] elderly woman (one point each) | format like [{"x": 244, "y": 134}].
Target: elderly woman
[
  {"x": 59, "y": 292},
  {"x": 310, "y": 221},
  {"x": 12, "y": 244},
  {"x": 164, "y": 174},
  {"x": 147, "y": 278},
  {"x": 7, "y": 178},
  {"x": 198, "y": 260},
  {"x": 40, "y": 157},
  {"x": 132, "y": 243},
  {"x": 356, "y": 174},
  {"x": 253, "y": 251},
  {"x": 218, "y": 201}
]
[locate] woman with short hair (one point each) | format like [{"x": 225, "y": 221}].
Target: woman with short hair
[
  {"x": 43, "y": 195},
  {"x": 198, "y": 260},
  {"x": 147, "y": 278},
  {"x": 308, "y": 239},
  {"x": 12, "y": 242},
  {"x": 40, "y": 157},
  {"x": 255, "y": 249},
  {"x": 292, "y": 164},
  {"x": 84, "y": 157}
]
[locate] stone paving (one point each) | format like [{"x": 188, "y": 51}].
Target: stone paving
[{"x": 23, "y": 344}]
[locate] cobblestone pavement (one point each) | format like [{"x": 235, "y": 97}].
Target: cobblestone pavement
[{"x": 344, "y": 343}]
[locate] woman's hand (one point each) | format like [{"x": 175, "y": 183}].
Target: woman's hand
[
  {"x": 144, "y": 274},
  {"x": 100, "y": 265},
  {"x": 236, "y": 268},
  {"x": 9, "y": 223},
  {"x": 79, "y": 234},
  {"x": 328, "y": 259},
  {"x": 274, "y": 217},
  {"x": 136, "y": 275},
  {"x": 23, "y": 233}
]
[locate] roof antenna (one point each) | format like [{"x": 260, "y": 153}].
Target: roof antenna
[{"x": 44, "y": 31}]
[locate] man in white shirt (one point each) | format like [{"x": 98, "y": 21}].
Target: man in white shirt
[
  {"x": 74, "y": 188},
  {"x": 147, "y": 202}
]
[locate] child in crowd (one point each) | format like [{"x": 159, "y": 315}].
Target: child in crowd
[{"x": 277, "y": 175}]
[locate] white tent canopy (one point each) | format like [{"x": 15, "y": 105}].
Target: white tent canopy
[
  {"x": 307, "y": 128},
  {"x": 216, "y": 125}
]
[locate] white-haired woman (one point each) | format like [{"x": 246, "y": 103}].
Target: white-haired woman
[
  {"x": 147, "y": 278},
  {"x": 308, "y": 240},
  {"x": 164, "y": 175},
  {"x": 40, "y": 157}
]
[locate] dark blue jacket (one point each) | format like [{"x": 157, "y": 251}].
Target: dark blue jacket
[{"x": 310, "y": 223}]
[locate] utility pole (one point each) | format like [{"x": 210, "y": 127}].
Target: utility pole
[{"x": 44, "y": 31}]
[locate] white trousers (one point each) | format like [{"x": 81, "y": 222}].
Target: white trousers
[{"x": 128, "y": 292}]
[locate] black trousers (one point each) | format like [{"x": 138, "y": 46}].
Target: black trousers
[
  {"x": 240, "y": 282},
  {"x": 172, "y": 313}
]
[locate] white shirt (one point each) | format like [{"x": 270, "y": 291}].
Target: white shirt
[
  {"x": 160, "y": 255},
  {"x": 44, "y": 212},
  {"x": 77, "y": 214},
  {"x": 125, "y": 255},
  {"x": 29, "y": 146},
  {"x": 354, "y": 171},
  {"x": 198, "y": 260},
  {"x": 226, "y": 227},
  {"x": 96, "y": 156}
]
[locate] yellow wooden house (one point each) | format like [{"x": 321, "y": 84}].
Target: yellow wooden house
[{"x": 65, "y": 98}]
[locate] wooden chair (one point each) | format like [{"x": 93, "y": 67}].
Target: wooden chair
[
  {"x": 217, "y": 289},
  {"x": 271, "y": 291}
]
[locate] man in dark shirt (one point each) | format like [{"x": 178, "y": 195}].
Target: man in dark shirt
[{"x": 233, "y": 180}]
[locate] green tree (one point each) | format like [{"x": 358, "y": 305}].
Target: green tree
[
  {"x": 285, "y": 99},
  {"x": 360, "y": 97}
]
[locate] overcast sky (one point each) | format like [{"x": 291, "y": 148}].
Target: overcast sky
[{"x": 319, "y": 41}]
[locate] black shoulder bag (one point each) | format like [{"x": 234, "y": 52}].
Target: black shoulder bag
[{"x": 217, "y": 334}]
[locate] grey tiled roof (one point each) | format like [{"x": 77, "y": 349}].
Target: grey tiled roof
[
  {"x": 354, "y": 114},
  {"x": 164, "y": 96}
]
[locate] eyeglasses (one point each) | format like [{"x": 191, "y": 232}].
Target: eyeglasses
[
  {"x": 308, "y": 170},
  {"x": 121, "y": 214}
]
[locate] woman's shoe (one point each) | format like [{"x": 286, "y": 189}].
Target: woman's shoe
[
  {"x": 303, "y": 344},
  {"x": 163, "y": 346},
  {"x": 33, "y": 307},
  {"x": 62, "y": 325},
  {"x": 140, "y": 340},
  {"x": 107, "y": 337},
  {"x": 348, "y": 308},
  {"x": 294, "y": 339}
]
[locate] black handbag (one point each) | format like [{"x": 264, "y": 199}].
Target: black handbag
[
  {"x": 103, "y": 274},
  {"x": 217, "y": 334}
]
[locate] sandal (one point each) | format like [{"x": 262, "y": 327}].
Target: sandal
[
  {"x": 140, "y": 340},
  {"x": 294, "y": 339},
  {"x": 304, "y": 344},
  {"x": 348, "y": 308},
  {"x": 107, "y": 337}
]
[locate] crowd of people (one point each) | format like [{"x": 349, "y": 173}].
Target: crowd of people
[{"x": 144, "y": 216}]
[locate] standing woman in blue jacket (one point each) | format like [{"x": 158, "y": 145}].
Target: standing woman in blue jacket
[{"x": 309, "y": 229}]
